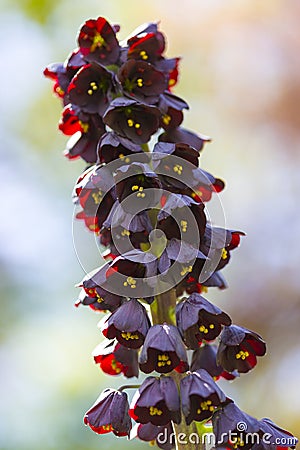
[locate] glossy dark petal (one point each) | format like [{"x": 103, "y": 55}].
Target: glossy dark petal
[{"x": 185, "y": 136}]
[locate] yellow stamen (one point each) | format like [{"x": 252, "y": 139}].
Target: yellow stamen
[
  {"x": 178, "y": 169},
  {"x": 139, "y": 82},
  {"x": 97, "y": 196},
  {"x": 98, "y": 41},
  {"x": 144, "y": 55},
  {"x": 155, "y": 411},
  {"x": 130, "y": 282},
  {"x": 129, "y": 336},
  {"x": 185, "y": 270},
  {"x": 242, "y": 355},
  {"x": 224, "y": 253},
  {"x": 166, "y": 119},
  {"x": 183, "y": 224}
]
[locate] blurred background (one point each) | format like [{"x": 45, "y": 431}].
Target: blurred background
[{"x": 240, "y": 73}]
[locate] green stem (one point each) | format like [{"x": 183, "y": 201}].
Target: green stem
[
  {"x": 145, "y": 148},
  {"x": 163, "y": 311}
]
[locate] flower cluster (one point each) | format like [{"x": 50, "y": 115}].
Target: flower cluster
[{"x": 147, "y": 207}]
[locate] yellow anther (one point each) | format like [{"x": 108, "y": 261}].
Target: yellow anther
[
  {"x": 224, "y": 253},
  {"x": 205, "y": 406},
  {"x": 135, "y": 188},
  {"x": 211, "y": 326},
  {"x": 84, "y": 126},
  {"x": 97, "y": 196},
  {"x": 125, "y": 233},
  {"x": 178, "y": 169},
  {"x": 124, "y": 158},
  {"x": 183, "y": 224},
  {"x": 203, "y": 329},
  {"x": 114, "y": 365},
  {"x": 129, "y": 336},
  {"x": 139, "y": 82},
  {"x": 143, "y": 55},
  {"x": 99, "y": 299},
  {"x": 90, "y": 92},
  {"x": 130, "y": 122},
  {"x": 130, "y": 282},
  {"x": 204, "y": 289},
  {"x": 185, "y": 270},
  {"x": 163, "y": 360},
  {"x": 98, "y": 41},
  {"x": 242, "y": 355},
  {"x": 155, "y": 411},
  {"x": 137, "y": 126},
  {"x": 166, "y": 119}
]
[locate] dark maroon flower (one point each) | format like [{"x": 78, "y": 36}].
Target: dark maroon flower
[
  {"x": 97, "y": 41},
  {"x": 181, "y": 218},
  {"x": 113, "y": 147},
  {"x": 109, "y": 413},
  {"x": 181, "y": 135},
  {"x": 200, "y": 396},
  {"x": 137, "y": 187},
  {"x": 132, "y": 120},
  {"x": 163, "y": 350},
  {"x": 163, "y": 436},
  {"x": 98, "y": 299},
  {"x": 129, "y": 324},
  {"x": 142, "y": 81},
  {"x": 171, "y": 107},
  {"x": 89, "y": 89},
  {"x": 114, "y": 359},
  {"x": 205, "y": 358},
  {"x": 94, "y": 192},
  {"x": 198, "y": 319},
  {"x": 277, "y": 437},
  {"x": 146, "y": 46},
  {"x": 98, "y": 295},
  {"x": 217, "y": 244},
  {"x": 182, "y": 151},
  {"x": 239, "y": 348},
  {"x": 156, "y": 401},
  {"x": 62, "y": 73},
  {"x": 84, "y": 143},
  {"x": 233, "y": 428}
]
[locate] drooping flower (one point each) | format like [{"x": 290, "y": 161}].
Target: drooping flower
[
  {"x": 200, "y": 396},
  {"x": 156, "y": 401},
  {"x": 89, "y": 89},
  {"x": 198, "y": 320},
  {"x": 97, "y": 41},
  {"x": 132, "y": 120},
  {"x": 163, "y": 350},
  {"x": 147, "y": 46},
  {"x": 109, "y": 414},
  {"x": 129, "y": 324},
  {"x": 84, "y": 142},
  {"x": 233, "y": 428},
  {"x": 239, "y": 348},
  {"x": 137, "y": 187},
  {"x": 162, "y": 436},
  {"x": 142, "y": 81},
  {"x": 273, "y": 437},
  {"x": 113, "y": 147},
  {"x": 205, "y": 358},
  {"x": 114, "y": 359}
]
